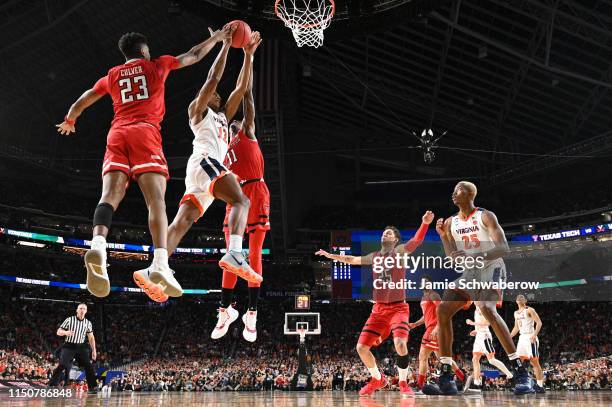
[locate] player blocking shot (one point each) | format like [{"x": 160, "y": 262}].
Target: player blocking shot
[
  {"x": 245, "y": 160},
  {"x": 390, "y": 312},
  {"x": 483, "y": 345},
  {"x": 474, "y": 233},
  {"x": 207, "y": 178},
  {"x": 527, "y": 322},
  {"x": 134, "y": 153}
]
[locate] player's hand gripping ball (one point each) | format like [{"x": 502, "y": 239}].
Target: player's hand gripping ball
[{"x": 242, "y": 33}]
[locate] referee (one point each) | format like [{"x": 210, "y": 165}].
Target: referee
[{"x": 75, "y": 329}]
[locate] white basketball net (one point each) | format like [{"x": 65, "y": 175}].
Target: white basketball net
[{"x": 307, "y": 19}]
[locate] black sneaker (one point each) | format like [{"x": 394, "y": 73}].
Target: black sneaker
[
  {"x": 431, "y": 389},
  {"x": 474, "y": 388},
  {"x": 539, "y": 389},
  {"x": 447, "y": 385},
  {"x": 523, "y": 383}
]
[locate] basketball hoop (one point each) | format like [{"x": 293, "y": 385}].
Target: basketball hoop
[{"x": 307, "y": 19}]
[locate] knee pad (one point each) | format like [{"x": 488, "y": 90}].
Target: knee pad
[
  {"x": 103, "y": 215},
  {"x": 403, "y": 361}
]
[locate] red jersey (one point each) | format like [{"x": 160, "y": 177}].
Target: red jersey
[
  {"x": 137, "y": 90},
  {"x": 384, "y": 293},
  {"x": 244, "y": 158},
  {"x": 429, "y": 311}
]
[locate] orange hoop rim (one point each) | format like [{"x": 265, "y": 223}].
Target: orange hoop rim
[{"x": 324, "y": 22}]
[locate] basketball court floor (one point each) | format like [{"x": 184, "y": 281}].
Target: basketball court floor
[{"x": 315, "y": 399}]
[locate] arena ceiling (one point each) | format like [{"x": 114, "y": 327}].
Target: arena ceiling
[{"x": 508, "y": 80}]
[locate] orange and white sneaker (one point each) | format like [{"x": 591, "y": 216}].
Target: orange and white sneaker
[
  {"x": 154, "y": 291},
  {"x": 164, "y": 276},
  {"x": 235, "y": 263},
  {"x": 250, "y": 326},
  {"x": 373, "y": 385},
  {"x": 224, "y": 320},
  {"x": 405, "y": 389}
]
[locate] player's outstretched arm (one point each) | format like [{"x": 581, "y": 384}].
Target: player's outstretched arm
[
  {"x": 233, "y": 102},
  {"x": 419, "y": 236},
  {"x": 83, "y": 102},
  {"x": 248, "y": 109},
  {"x": 417, "y": 323},
  {"x": 196, "y": 53},
  {"x": 200, "y": 103},
  {"x": 498, "y": 237},
  {"x": 354, "y": 260}
]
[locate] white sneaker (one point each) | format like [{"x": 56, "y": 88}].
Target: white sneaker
[
  {"x": 97, "y": 275},
  {"x": 154, "y": 291},
  {"x": 250, "y": 326},
  {"x": 235, "y": 263},
  {"x": 164, "y": 276},
  {"x": 224, "y": 319}
]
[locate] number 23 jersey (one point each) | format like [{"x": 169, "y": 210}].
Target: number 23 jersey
[{"x": 137, "y": 90}]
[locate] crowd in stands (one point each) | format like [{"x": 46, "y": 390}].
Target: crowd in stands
[{"x": 168, "y": 348}]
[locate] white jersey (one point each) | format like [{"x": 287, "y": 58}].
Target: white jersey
[
  {"x": 211, "y": 135},
  {"x": 480, "y": 319},
  {"x": 470, "y": 234},
  {"x": 525, "y": 322}
]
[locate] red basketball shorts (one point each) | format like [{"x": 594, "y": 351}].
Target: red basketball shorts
[
  {"x": 134, "y": 149},
  {"x": 384, "y": 320},
  {"x": 427, "y": 341},
  {"x": 259, "y": 211}
]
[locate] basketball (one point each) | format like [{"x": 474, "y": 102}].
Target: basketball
[{"x": 242, "y": 35}]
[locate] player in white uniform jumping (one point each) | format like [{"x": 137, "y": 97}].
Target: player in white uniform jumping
[
  {"x": 483, "y": 345},
  {"x": 206, "y": 177},
  {"x": 474, "y": 233},
  {"x": 528, "y": 323}
]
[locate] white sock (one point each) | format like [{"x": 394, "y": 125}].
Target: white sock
[
  {"x": 160, "y": 257},
  {"x": 235, "y": 243},
  {"x": 500, "y": 365},
  {"x": 512, "y": 356},
  {"x": 403, "y": 374},
  {"x": 447, "y": 360},
  {"x": 98, "y": 243},
  {"x": 375, "y": 372},
  {"x": 541, "y": 383}
]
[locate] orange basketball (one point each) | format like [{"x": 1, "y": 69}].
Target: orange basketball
[{"x": 242, "y": 35}]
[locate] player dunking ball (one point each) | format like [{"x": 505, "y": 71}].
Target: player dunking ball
[
  {"x": 134, "y": 152},
  {"x": 390, "y": 313},
  {"x": 244, "y": 159},
  {"x": 474, "y": 233},
  {"x": 483, "y": 345},
  {"x": 528, "y": 323},
  {"x": 207, "y": 179},
  {"x": 429, "y": 343}
]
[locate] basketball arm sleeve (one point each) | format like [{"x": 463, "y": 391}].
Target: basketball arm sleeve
[{"x": 417, "y": 239}]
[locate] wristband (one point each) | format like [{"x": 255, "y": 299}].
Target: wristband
[{"x": 68, "y": 121}]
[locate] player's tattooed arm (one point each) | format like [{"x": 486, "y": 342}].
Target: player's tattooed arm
[
  {"x": 248, "y": 108},
  {"x": 83, "y": 102},
  {"x": 242, "y": 84},
  {"x": 538, "y": 323},
  {"x": 498, "y": 237},
  {"x": 196, "y": 53},
  {"x": 354, "y": 260},
  {"x": 199, "y": 105}
]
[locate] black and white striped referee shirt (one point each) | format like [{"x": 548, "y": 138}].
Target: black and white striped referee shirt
[{"x": 81, "y": 328}]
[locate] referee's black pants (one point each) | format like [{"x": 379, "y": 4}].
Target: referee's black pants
[{"x": 67, "y": 355}]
